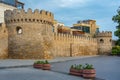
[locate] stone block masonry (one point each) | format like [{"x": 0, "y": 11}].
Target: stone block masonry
[
  {"x": 27, "y": 32},
  {"x": 104, "y": 42},
  {"x": 69, "y": 45},
  {"x": 3, "y": 42},
  {"x": 29, "y": 35}
]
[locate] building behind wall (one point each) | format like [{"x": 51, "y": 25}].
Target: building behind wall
[{"x": 89, "y": 27}]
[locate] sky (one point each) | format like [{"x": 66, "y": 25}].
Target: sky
[{"x": 70, "y": 11}]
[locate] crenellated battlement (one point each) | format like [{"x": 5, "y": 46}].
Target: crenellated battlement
[
  {"x": 72, "y": 38},
  {"x": 34, "y": 31},
  {"x": 20, "y": 15},
  {"x": 105, "y": 34},
  {"x": 104, "y": 39}
]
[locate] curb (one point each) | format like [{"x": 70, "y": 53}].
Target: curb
[
  {"x": 19, "y": 66},
  {"x": 52, "y": 62}
]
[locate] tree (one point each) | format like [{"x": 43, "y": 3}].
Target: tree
[{"x": 116, "y": 19}]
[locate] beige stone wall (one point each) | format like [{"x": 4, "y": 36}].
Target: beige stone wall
[
  {"x": 104, "y": 42},
  {"x": 3, "y": 42},
  {"x": 33, "y": 40},
  {"x": 69, "y": 45},
  {"x": 31, "y": 36}
]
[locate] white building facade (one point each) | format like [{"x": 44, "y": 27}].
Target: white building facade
[
  {"x": 4, "y": 7},
  {"x": 9, "y": 5}
]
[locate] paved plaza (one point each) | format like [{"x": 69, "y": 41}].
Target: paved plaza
[{"x": 107, "y": 68}]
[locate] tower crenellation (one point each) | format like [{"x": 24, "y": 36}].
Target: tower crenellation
[
  {"x": 28, "y": 29},
  {"x": 34, "y": 34},
  {"x": 33, "y": 30},
  {"x": 20, "y": 15},
  {"x": 104, "y": 40},
  {"x": 104, "y": 34},
  {"x": 68, "y": 37}
]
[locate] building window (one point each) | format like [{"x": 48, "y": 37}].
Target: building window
[
  {"x": 86, "y": 29},
  {"x": 19, "y": 30},
  {"x": 101, "y": 41},
  {"x": 80, "y": 28}
]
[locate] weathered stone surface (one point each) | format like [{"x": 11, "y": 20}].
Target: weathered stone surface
[
  {"x": 29, "y": 35},
  {"x": 104, "y": 42},
  {"x": 3, "y": 42},
  {"x": 69, "y": 45}
]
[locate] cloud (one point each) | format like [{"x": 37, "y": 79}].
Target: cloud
[
  {"x": 69, "y": 11},
  {"x": 56, "y": 3},
  {"x": 72, "y": 3}
]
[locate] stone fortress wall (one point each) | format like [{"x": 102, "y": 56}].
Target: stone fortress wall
[
  {"x": 31, "y": 36},
  {"x": 104, "y": 40},
  {"x": 3, "y": 41},
  {"x": 70, "y": 45},
  {"x": 27, "y": 32}
]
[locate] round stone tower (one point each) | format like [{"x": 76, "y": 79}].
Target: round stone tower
[
  {"x": 104, "y": 42},
  {"x": 29, "y": 33}
]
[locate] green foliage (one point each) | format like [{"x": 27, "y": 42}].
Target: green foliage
[
  {"x": 88, "y": 66},
  {"x": 117, "y": 33},
  {"x": 72, "y": 66},
  {"x": 116, "y": 19},
  {"x": 38, "y": 62},
  {"x": 46, "y": 62},
  {"x": 118, "y": 42},
  {"x": 78, "y": 67},
  {"x": 41, "y": 62},
  {"x": 116, "y": 50}
]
